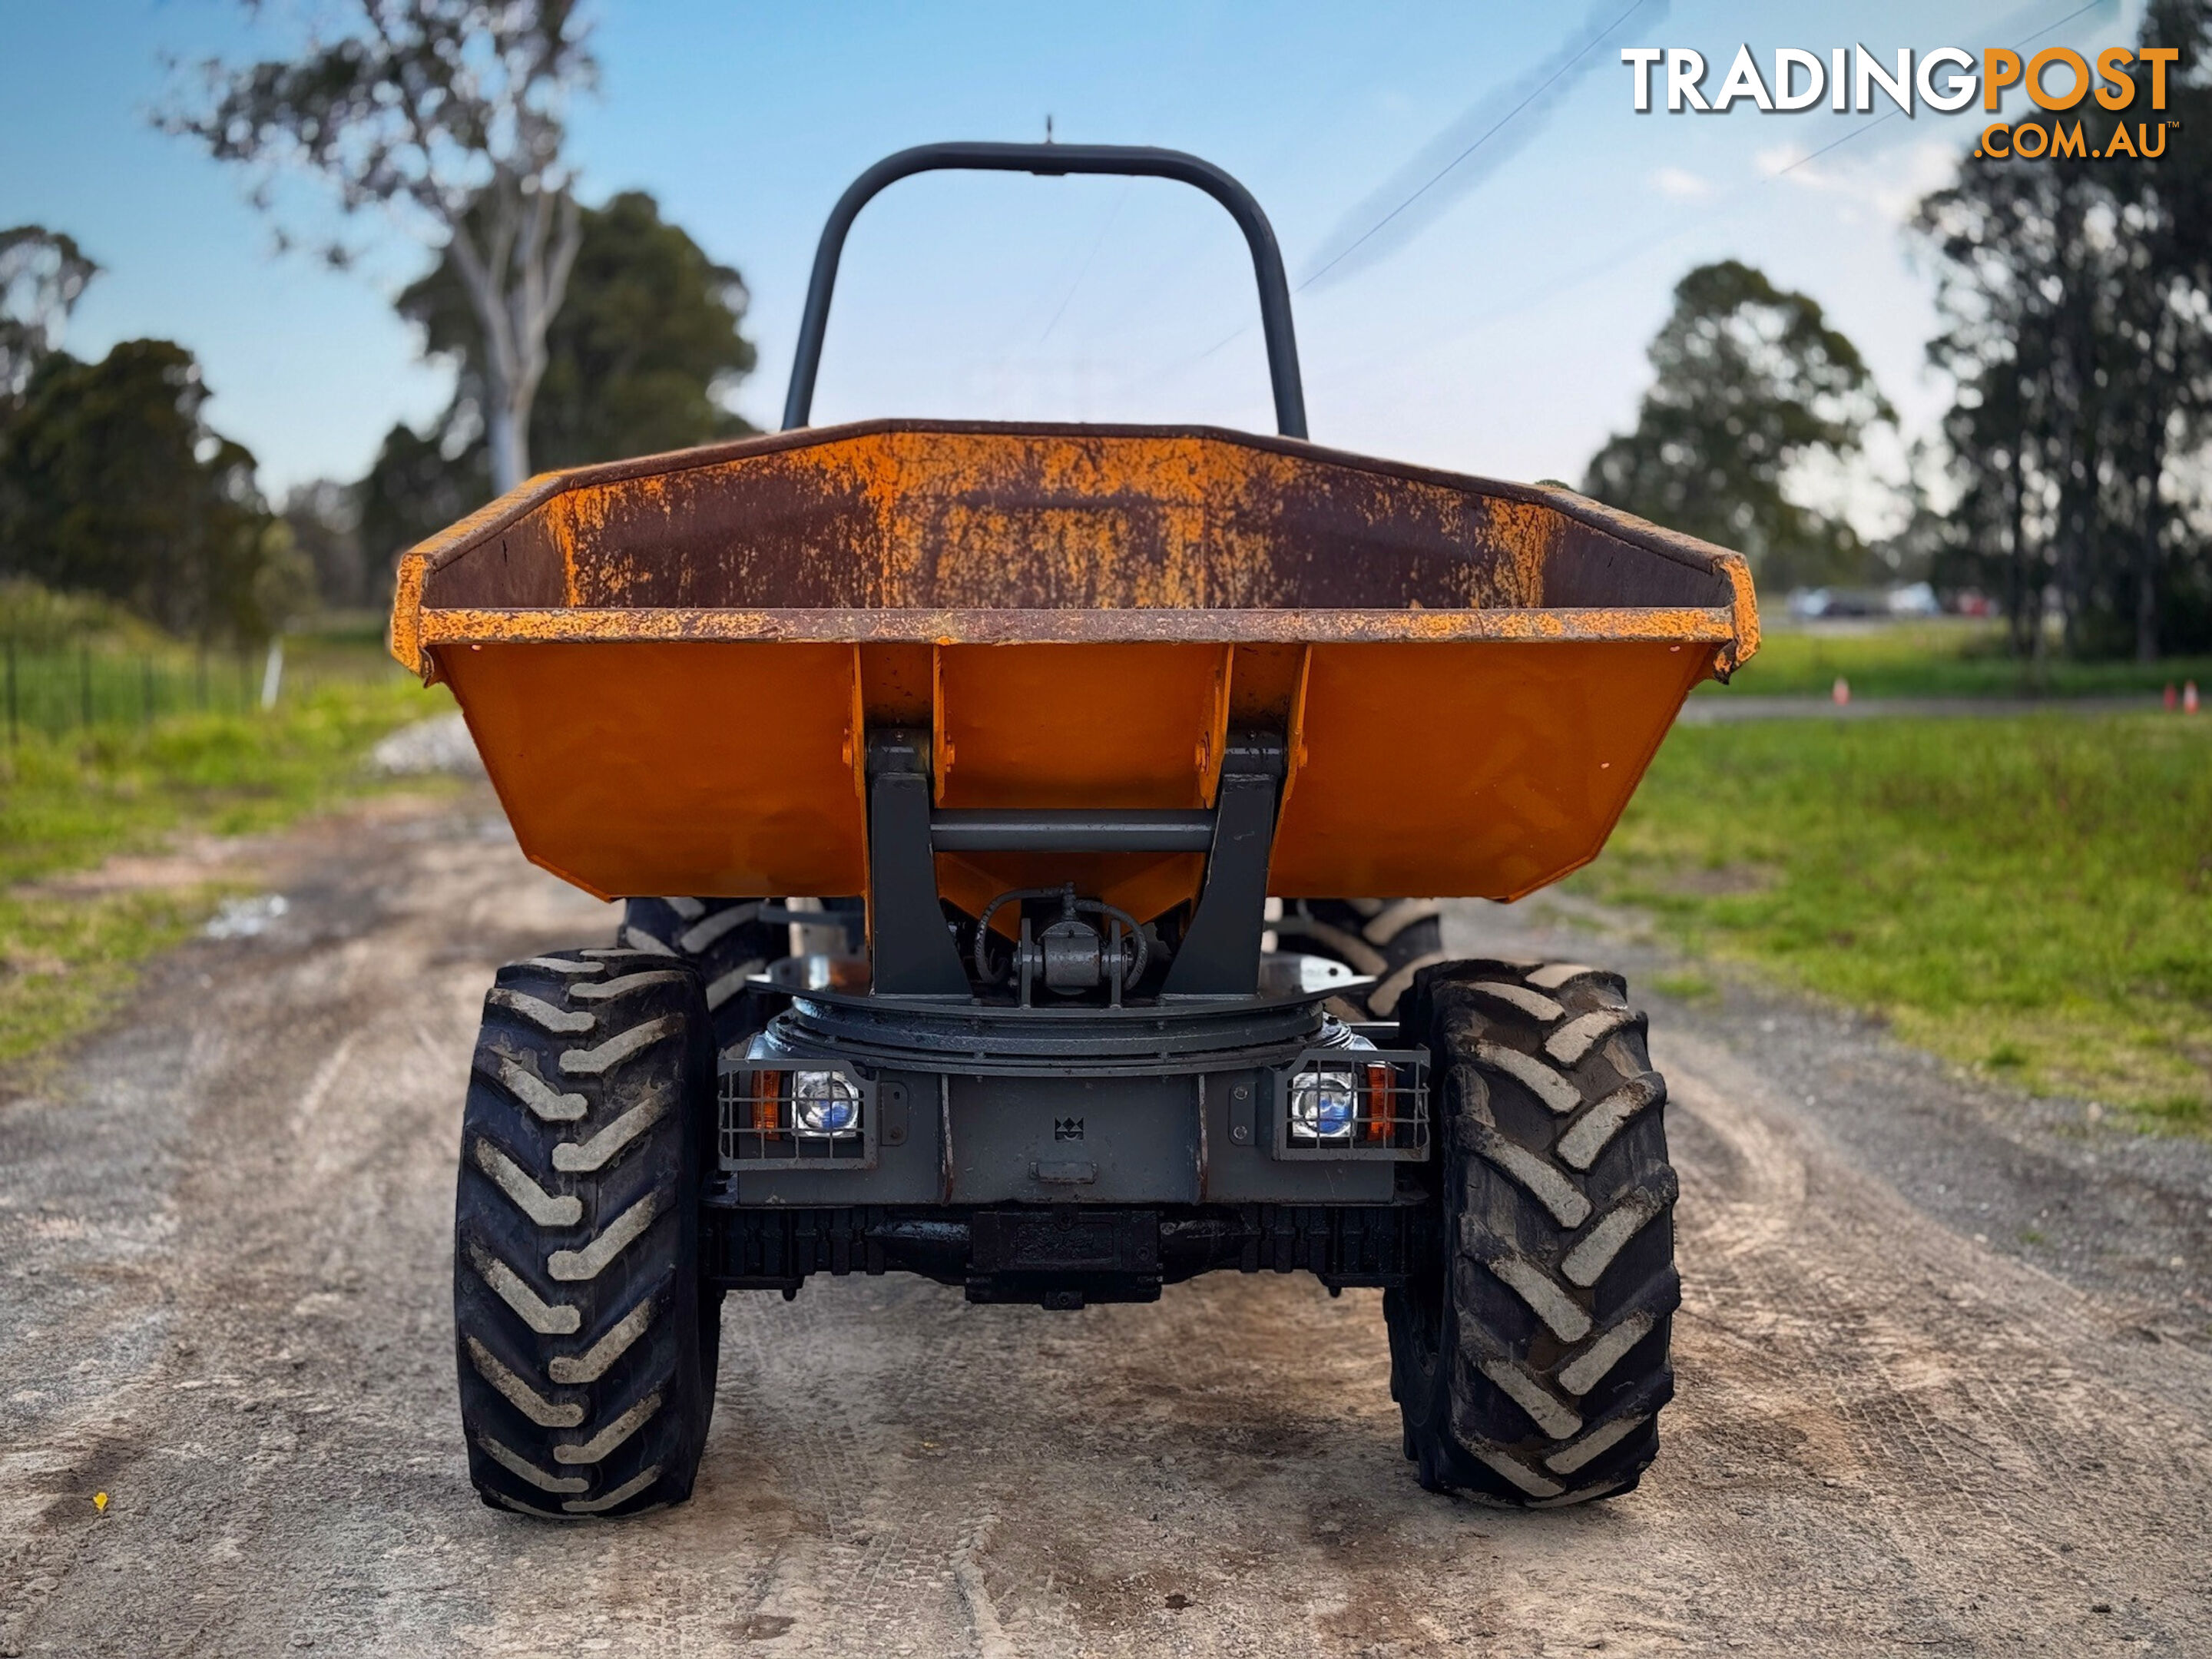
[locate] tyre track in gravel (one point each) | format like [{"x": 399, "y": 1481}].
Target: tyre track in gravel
[{"x": 224, "y": 1295}]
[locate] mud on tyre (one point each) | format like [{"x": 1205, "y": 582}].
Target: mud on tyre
[
  {"x": 1530, "y": 1353},
  {"x": 586, "y": 1339}
]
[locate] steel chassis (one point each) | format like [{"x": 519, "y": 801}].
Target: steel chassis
[{"x": 1060, "y": 1151}]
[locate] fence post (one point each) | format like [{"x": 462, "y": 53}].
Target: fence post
[
  {"x": 272, "y": 675},
  {"x": 200, "y": 676},
  {"x": 84, "y": 686},
  {"x": 146, "y": 690}
]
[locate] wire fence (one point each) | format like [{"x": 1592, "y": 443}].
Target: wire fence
[{"x": 52, "y": 692}]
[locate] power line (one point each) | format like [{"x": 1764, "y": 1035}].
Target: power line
[
  {"x": 1490, "y": 132},
  {"x": 1854, "y": 133},
  {"x": 1084, "y": 269},
  {"x": 1892, "y": 114},
  {"x": 2060, "y": 24},
  {"x": 1636, "y": 246},
  {"x": 1241, "y": 330},
  {"x": 1643, "y": 244}
]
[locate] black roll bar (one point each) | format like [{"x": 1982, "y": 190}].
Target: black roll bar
[{"x": 1053, "y": 160}]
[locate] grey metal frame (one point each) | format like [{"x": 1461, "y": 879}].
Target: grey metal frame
[
  {"x": 1136, "y": 1071},
  {"x": 914, "y": 953}
]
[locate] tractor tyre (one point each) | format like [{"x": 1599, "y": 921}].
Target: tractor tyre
[
  {"x": 587, "y": 1335},
  {"x": 1528, "y": 1351},
  {"x": 725, "y": 940},
  {"x": 1390, "y": 939}
]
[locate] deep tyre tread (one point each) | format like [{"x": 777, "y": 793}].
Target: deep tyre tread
[
  {"x": 1389, "y": 940},
  {"x": 724, "y": 941},
  {"x": 1530, "y": 1359},
  {"x": 586, "y": 1340}
]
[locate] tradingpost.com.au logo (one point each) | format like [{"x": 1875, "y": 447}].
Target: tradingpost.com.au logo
[{"x": 1947, "y": 80}]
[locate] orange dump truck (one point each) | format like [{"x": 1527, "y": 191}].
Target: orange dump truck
[{"x": 1062, "y": 731}]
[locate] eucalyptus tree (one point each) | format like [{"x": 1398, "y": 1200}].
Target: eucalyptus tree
[
  {"x": 1750, "y": 383},
  {"x": 2076, "y": 299},
  {"x": 452, "y": 115}
]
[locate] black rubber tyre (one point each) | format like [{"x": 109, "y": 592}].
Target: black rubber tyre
[
  {"x": 1529, "y": 1356},
  {"x": 1393, "y": 939},
  {"x": 586, "y": 1337},
  {"x": 724, "y": 940}
]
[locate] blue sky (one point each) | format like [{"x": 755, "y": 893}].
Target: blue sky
[{"x": 1504, "y": 335}]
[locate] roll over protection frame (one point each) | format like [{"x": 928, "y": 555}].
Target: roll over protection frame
[{"x": 1054, "y": 161}]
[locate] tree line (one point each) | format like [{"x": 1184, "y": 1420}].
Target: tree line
[
  {"x": 110, "y": 481},
  {"x": 2074, "y": 483},
  {"x": 576, "y": 333},
  {"x": 2071, "y": 482},
  {"x": 2077, "y": 300}
]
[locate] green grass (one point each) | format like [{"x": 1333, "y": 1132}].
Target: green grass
[
  {"x": 65, "y": 963},
  {"x": 1949, "y": 657},
  {"x": 1685, "y": 987},
  {"x": 2031, "y": 897},
  {"x": 69, "y": 802}
]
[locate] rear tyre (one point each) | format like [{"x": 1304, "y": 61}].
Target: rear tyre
[
  {"x": 727, "y": 942},
  {"x": 586, "y": 1338},
  {"x": 1391, "y": 939},
  {"x": 1528, "y": 1354}
]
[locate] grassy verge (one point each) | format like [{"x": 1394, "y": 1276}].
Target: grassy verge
[
  {"x": 65, "y": 962},
  {"x": 1950, "y": 656},
  {"x": 69, "y": 802},
  {"x": 2031, "y": 897}
]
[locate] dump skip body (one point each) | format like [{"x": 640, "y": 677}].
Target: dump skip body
[{"x": 668, "y": 664}]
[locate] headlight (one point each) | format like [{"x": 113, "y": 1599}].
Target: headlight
[
  {"x": 825, "y": 1103},
  {"x": 1324, "y": 1105}
]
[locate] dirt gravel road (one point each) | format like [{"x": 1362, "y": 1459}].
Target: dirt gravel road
[{"x": 224, "y": 1258}]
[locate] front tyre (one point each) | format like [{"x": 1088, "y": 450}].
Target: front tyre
[
  {"x": 1529, "y": 1354},
  {"x": 586, "y": 1338}
]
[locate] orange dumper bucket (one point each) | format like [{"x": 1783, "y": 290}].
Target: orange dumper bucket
[{"x": 669, "y": 665}]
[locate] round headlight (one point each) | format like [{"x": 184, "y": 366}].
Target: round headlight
[
  {"x": 825, "y": 1103},
  {"x": 1324, "y": 1105}
]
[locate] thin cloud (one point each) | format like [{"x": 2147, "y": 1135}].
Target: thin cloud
[{"x": 1890, "y": 182}]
